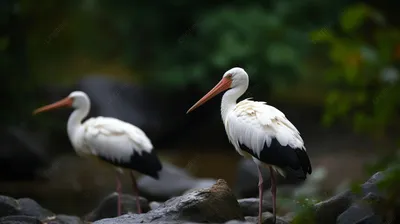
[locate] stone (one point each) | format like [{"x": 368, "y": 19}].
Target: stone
[
  {"x": 19, "y": 219},
  {"x": 62, "y": 219},
  {"x": 28, "y": 211},
  {"x": 355, "y": 213},
  {"x": 352, "y": 207},
  {"x": 267, "y": 218},
  {"x": 108, "y": 207},
  {"x": 216, "y": 204},
  {"x": 327, "y": 211},
  {"x": 24, "y": 206},
  {"x": 8, "y": 206},
  {"x": 250, "y": 206},
  {"x": 67, "y": 219},
  {"x": 30, "y": 207},
  {"x": 238, "y": 222},
  {"x": 154, "y": 204}
]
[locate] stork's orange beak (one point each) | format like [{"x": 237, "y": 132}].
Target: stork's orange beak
[
  {"x": 224, "y": 84},
  {"x": 66, "y": 102}
]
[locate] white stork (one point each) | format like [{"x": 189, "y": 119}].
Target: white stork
[
  {"x": 261, "y": 131},
  {"x": 110, "y": 140}
]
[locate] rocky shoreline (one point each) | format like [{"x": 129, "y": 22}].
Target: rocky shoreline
[{"x": 216, "y": 204}]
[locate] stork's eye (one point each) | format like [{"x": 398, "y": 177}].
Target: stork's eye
[{"x": 229, "y": 76}]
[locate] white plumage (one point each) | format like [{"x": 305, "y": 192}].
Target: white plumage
[
  {"x": 111, "y": 138},
  {"x": 260, "y": 130},
  {"x": 255, "y": 124}
]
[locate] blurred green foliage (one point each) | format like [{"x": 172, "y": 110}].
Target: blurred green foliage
[
  {"x": 363, "y": 71},
  {"x": 169, "y": 44},
  {"x": 361, "y": 76},
  {"x": 305, "y": 212},
  {"x": 176, "y": 43}
]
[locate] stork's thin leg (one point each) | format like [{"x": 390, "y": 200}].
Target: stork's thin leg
[
  {"x": 260, "y": 194},
  {"x": 136, "y": 192},
  {"x": 119, "y": 193},
  {"x": 273, "y": 191}
]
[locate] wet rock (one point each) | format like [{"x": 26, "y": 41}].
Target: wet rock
[
  {"x": 216, "y": 204},
  {"x": 24, "y": 206},
  {"x": 372, "y": 219},
  {"x": 267, "y": 218},
  {"x": 355, "y": 213},
  {"x": 154, "y": 204},
  {"x": 19, "y": 219},
  {"x": 26, "y": 210},
  {"x": 108, "y": 207},
  {"x": 67, "y": 219},
  {"x": 8, "y": 206},
  {"x": 250, "y": 206},
  {"x": 174, "y": 181},
  {"x": 328, "y": 210},
  {"x": 359, "y": 210},
  {"x": 238, "y": 222},
  {"x": 367, "y": 205},
  {"x": 30, "y": 207},
  {"x": 62, "y": 219},
  {"x": 353, "y": 207}
]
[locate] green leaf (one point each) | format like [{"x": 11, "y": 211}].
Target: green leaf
[
  {"x": 321, "y": 35},
  {"x": 353, "y": 17}
]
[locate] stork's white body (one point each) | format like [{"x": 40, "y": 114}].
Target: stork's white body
[
  {"x": 255, "y": 124},
  {"x": 111, "y": 140},
  {"x": 108, "y": 137},
  {"x": 260, "y": 130}
]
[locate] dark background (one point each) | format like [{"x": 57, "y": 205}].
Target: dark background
[{"x": 330, "y": 66}]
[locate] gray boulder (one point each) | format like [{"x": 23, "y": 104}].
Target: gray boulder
[
  {"x": 108, "y": 207},
  {"x": 355, "y": 207},
  {"x": 268, "y": 218},
  {"x": 28, "y": 211},
  {"x": 216, "y": 204},
  {"x": 250, "y": 206}
]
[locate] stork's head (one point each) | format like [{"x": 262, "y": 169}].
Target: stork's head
[
  {"x": 234, "y": 77},
  {"x": 76, "y": 99},
  {"x": 237, "y": 77}
]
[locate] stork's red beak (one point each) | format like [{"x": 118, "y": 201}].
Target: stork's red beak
[
  {"x": 224, "y": 84},
  {"x": 66, "y": 102}
]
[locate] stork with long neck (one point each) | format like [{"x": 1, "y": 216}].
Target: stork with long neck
[
  {"x": 111, "y": 140},
  {"x": 261, "y": 131}
]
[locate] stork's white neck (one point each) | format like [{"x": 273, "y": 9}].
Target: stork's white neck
[
  {"x": 230, "y": 97},
  {"x": 75, "y": 120}
]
